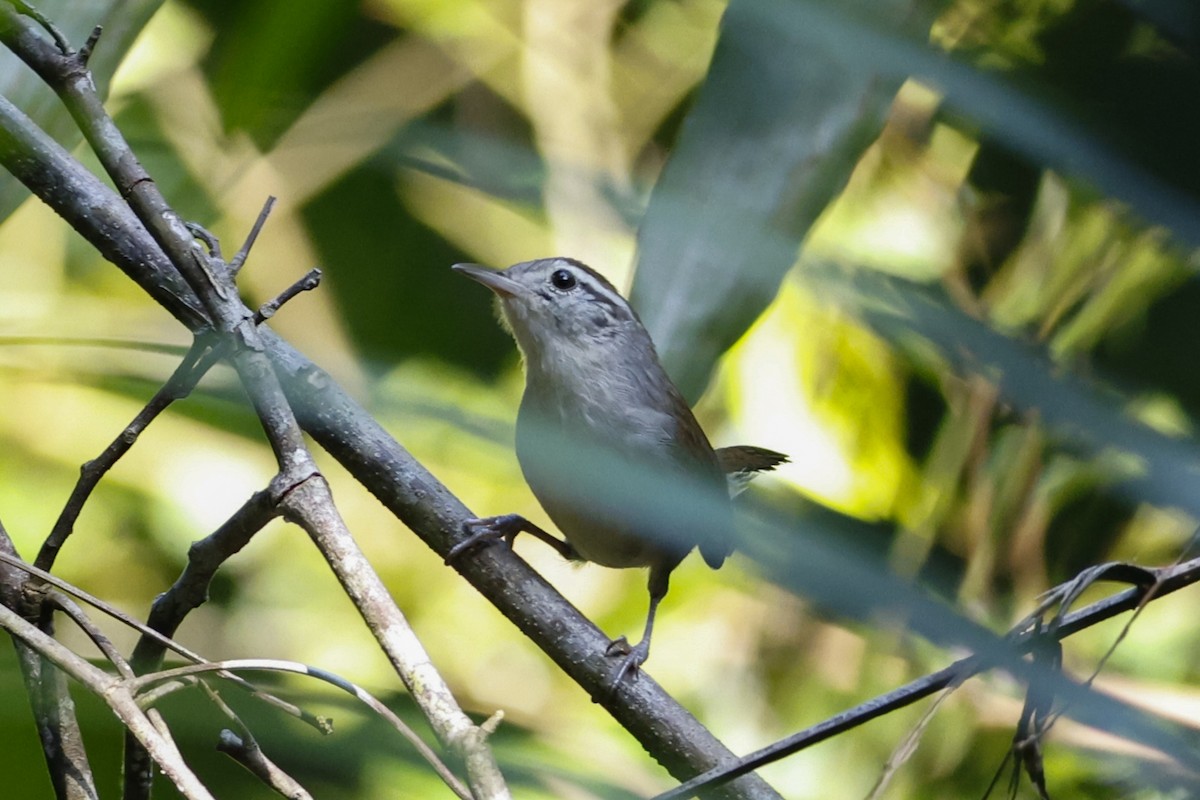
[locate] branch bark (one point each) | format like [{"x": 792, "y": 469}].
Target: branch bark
[
  {"x": 305, "y": 499},
  {"x": 51, "y": 703},
  {"x": 115, "y": 693},
  {"x": 1167, "y": 581},
  {"x": 666, "y": 730}
]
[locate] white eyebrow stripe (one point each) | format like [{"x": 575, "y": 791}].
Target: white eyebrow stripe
[{"x": 595, "y": 283}]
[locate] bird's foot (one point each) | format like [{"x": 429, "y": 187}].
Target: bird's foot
[
  {"x": 633, "y": 658},
  {"x": 485, "y": 531}
]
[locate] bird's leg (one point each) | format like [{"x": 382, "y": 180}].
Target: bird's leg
[
  {"x": 636, "y": 655},
  {"x": 506, "y": 527}
]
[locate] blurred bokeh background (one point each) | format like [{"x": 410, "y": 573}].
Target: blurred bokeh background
[{"x": 984, "y": 353}]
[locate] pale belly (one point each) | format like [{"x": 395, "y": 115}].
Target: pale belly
[
  {"x": 599, "y": 540},
  {"x": 592, "y": 492}
]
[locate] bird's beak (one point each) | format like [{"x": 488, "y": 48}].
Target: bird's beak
[{"x": 497, "y": 281}]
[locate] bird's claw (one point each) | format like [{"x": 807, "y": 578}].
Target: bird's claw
[
  {"x": 633, "y": 658},
  {"x": 619, "y": 646},
  {"x": 481, "y": 532}
]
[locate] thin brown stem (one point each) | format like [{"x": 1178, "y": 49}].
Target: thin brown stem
[
  {"x": 1168, "y": 580},
  {"x": 143, "y": 683},
  {"x": 310, "y": 281},
  {"x": 310, "y": 503},
  {"x": 239, "y": 258},
  {"x": 65, "y": 604},
  {"x": 199, "y": 359},
  {"x": 245, "y": 751}
]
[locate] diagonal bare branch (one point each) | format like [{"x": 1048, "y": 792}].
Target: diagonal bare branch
[
  {"x": 196, "y": 363},
  {"x": 119, "y": 699},
  {"x": 308, "y": 500},
  {"x": 51, "y": 703},
  {"x": 141, "y": 683},
  {"x": 1167, "y": 581},
  {"x": 325, "y": 411}
]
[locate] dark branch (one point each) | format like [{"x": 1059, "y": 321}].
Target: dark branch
[
  {"x": 51, "y": 703},
  {"x": 246, "y": 752},
  {"x": 195, "y": 364},
  {"x": 239, "y": 258},
  {"x": 1168, "y": 580},
  {"x": 310, "y": 281},
  {"x": 190, "y": 589},
  {"x": 91, "y": 208}
]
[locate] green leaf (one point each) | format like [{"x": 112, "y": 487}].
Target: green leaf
[{"x": 778, "y": 127}]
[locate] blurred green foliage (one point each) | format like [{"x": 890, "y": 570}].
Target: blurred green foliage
[{"x": 982, "y": 353}]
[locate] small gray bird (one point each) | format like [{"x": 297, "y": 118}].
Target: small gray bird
[{"x": 594, "y": 387}]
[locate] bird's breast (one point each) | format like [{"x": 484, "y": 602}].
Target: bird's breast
[{"x": 606, "y": 480}]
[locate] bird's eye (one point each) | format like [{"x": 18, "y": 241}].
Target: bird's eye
[{"x": 562, "y": 279}]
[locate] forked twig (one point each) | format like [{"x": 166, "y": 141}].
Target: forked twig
[
  {"x": 243, "y": 748},
  {"x": 315, "y": 721},
  {"x": 119, "y": 699},
  {"x": 310, "y": 281},
  {"x": 310, "y": 503},
  {"x": 198, "y": 360},
  {"x": 1166, "y": 580},
  {"x": 143, "y": 682}
]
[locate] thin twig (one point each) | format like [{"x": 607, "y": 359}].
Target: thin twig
[
  {"x": 76, "y": 614},
  {"x": 1168, "y": 580},
  {"x": 217, "y": 700},
  {"x": 143, "y": 682},
  {"x": 243, "y": 748},
  {"x": 320, "y": 723},
  {"x": 1151, "y": 593},
  {"x": 119, "y": 699},
  {"x": 239, "y": 258},
  {"x": 246, "y": 752},
  {"x": 200, "y": 357},
  {"x": 310, "y": 281},
  {"x": 96, "y": 341},
  {"x": 64, "y": 45},
  {"x": 904, "y": 751},
  {"x": 204, "y": 235},
  {"x": 53, "y": 708},
  {"x": 92, "y": 600},
  {"x": 152, "y": 698},
  {"x": 190, "y": 589},
  {"x": 85, "y": 53}
]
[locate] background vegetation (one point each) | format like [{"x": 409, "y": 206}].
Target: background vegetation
[{"x": 984, "y": 351}]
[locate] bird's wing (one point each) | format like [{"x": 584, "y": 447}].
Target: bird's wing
[{"x": 695, "y": 458}]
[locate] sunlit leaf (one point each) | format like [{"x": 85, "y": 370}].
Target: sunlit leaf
[{"x": 778, "y": 126}]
